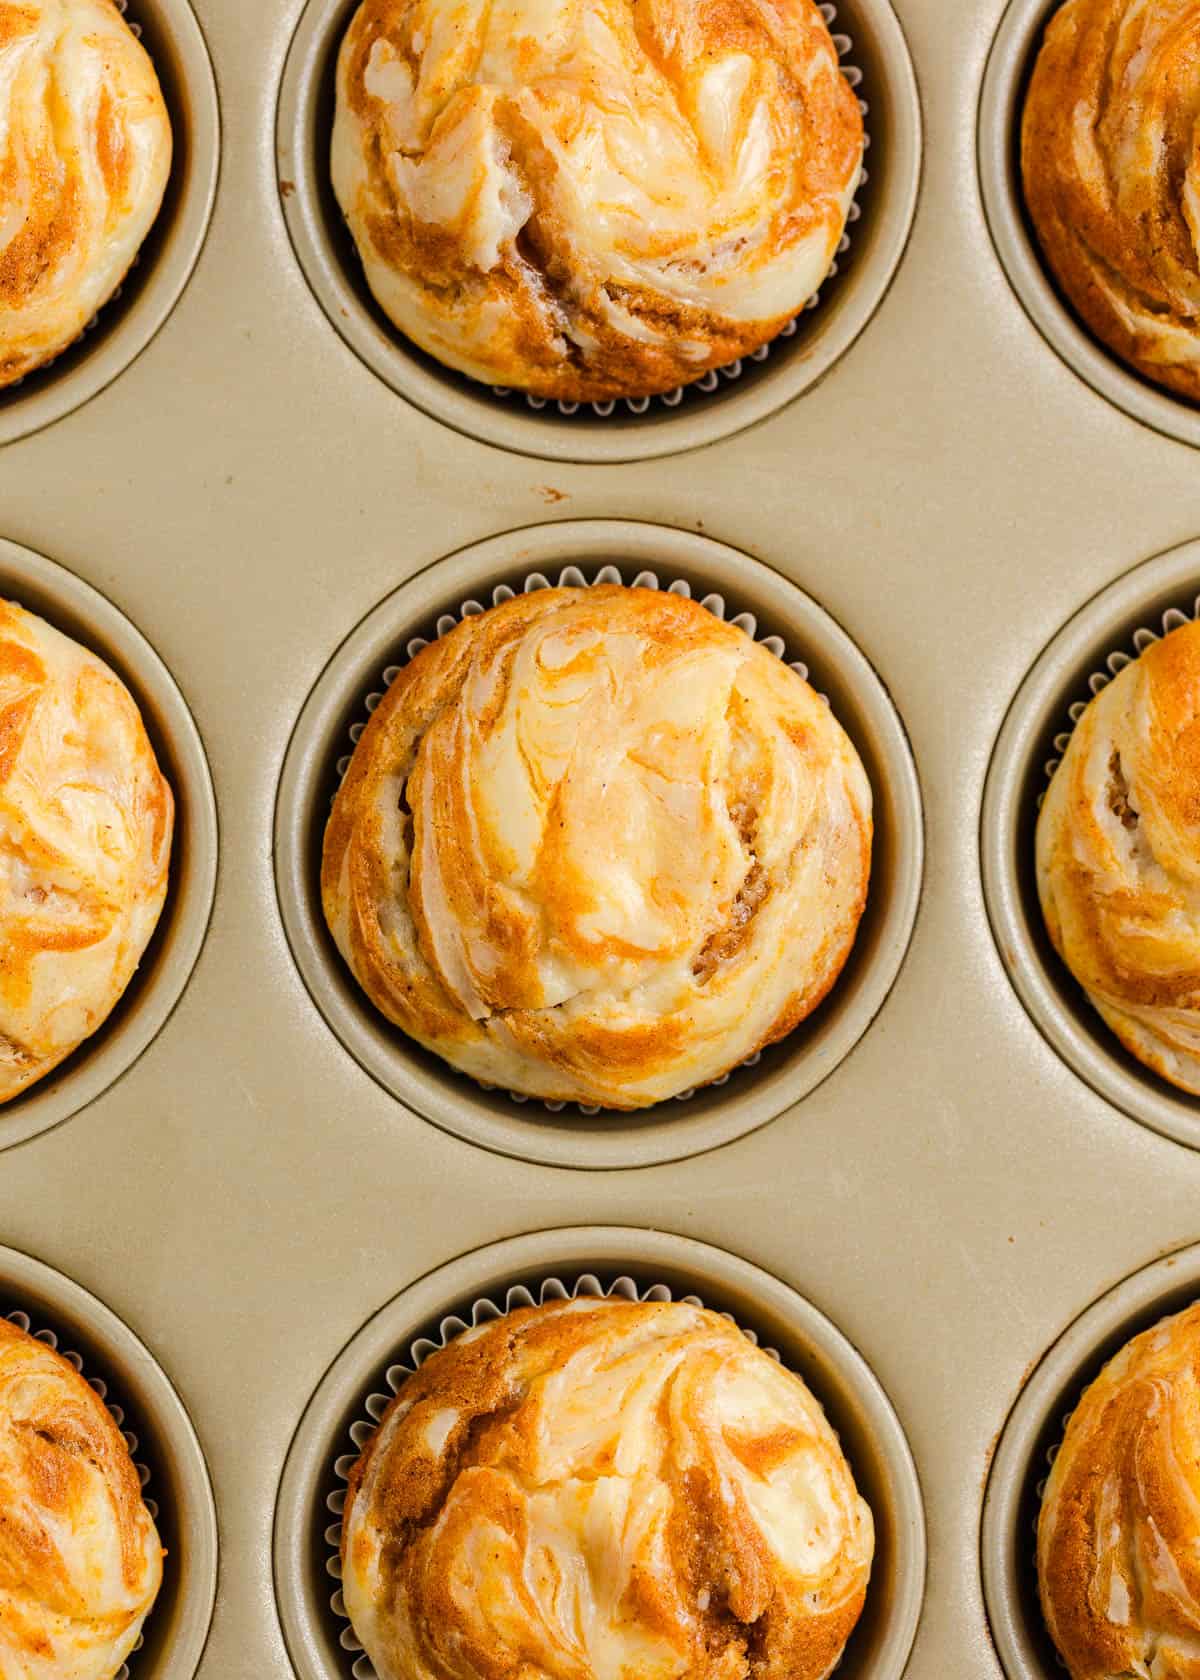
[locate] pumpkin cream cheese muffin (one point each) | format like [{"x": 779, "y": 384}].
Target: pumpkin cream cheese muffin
[
  {"x": 1118, "y": 856},
  {"x": 86, "y": 821},
  {"x": 598, "y": 845},
  {"x": 1110, "y": 150},
  {"x": 1119, "y": 1531},
  {"x": 85, "y": 153},
  {"x": 589, "y": 199},
  {"x": 591, "y": 1490},
  {"x": 80, "y": 1558}
]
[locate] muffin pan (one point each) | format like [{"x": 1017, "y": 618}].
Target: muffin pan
[
  {"x": 1013, "y": 55},
  {"x": 162, "y": 1440},
  {"x": 318, "y": 1639},
  {"x": 943, "y": 1162},
  {"x": 342, "y": 698},
  {"x": 124, "y": 327},
  {"x": 876, "y": 53}
]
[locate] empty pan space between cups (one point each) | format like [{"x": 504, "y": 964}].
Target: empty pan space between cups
[
  {"x": 780, "y": 1318},
  {"x": 126, "y": 324},
  {"x": 326, "y": 253},
  {"x": 752, "y": 1095},
  {"x": 1032, "y": 1434},
  {"x": 1006, "y": 79},
  {"x": 176, "y": 1628},
  {"x": 1030, "y": 739},
  {"x": 80, "y": 612}
]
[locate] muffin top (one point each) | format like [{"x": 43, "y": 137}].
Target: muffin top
[
  {"x": 589, "y": 199},
  {"x": 85, "y": 152},
  {"x": 85, "y": 842},
  {"x": 1111, "y": 160},
  {"x": 596, "y": 1489},
  {"x": 1119, "y": 1532},
  {"x": 1118, "y": 856},
  {"x": 596, "y": 844},
  {"x": 80, "y": 1558}
]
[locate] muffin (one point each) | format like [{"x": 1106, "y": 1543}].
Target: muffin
[
  {"x": 85, "y": 152},
  {"x": 598, "y": 845},
  {"x": 1118, "y": 856},
  {"x": 85, "y": 844},
  {"x": 1110, "y": 152},
  {"x": 80, "y": 1558},
  {"x": 1119, "y": 1531},
  {"x": 589, "y": 199},
  {"x": 596, "y": 1488}
]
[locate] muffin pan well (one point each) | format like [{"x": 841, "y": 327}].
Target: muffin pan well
[
  {"x": 319, "y": 1643},
  {"x": 1032, "y": 1434},
  {"x": 751, "y": 1095},
  {"x": 162, "y": 1441},
  {"x": 1067, "y": 673},
  {"x": 716, "y": 407},
  {"x": 81, "y": 612},
  {"x": 124, "y": 327},
  {"x": 1009, "y": 67}
]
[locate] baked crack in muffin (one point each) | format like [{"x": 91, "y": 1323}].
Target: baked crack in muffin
[
  {"x": 590, "y": 199},
  {"x": 598, "y": 845},
  {"x": 592, "y": 1489},
  {"x": 86, "y": 820},
  {"x": 1118, "y": 856},
  {"x": 1111, "y": 160},
  {"x": 1119, "y": 1532},
  {"x": 80, "y": 1558},
  {"x": 85, "y": 153}
]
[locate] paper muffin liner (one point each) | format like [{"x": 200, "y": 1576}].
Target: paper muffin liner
[
  {"x": 570, "y": 577},
  {"x": 1115, "y": 662},
  {"x": 484, "y": 1310},
  {"x": 1052, "y": 1453},
  {"x": 51, "y": 1338},
  {"x": 714, "y": 378}
]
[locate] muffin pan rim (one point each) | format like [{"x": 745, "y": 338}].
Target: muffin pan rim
[
  {"x": 1094, "y": 1056},
  {"x": 576, "y": 1248},
  {"x": 477, "y": 414},
  {"x": 1001, "y": 99},
  {"x": 55, "y": 1293},
  {"x": 1126, "y": 1303},
  {"x": 116, "y": 1046},
  {"x": 55, "y": 393},
  {"x": 666, "y": 1132}
]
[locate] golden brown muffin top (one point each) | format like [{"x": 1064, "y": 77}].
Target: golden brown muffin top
[
  {"x": 86, "y": 820},
  {"x": 594, "y": 1489},
  {"x": 85, "y": 152},
  {"x": 596, "y": 844},
  {"x": 80, "y": 1559},
  {"x": 1119, "y": 1534},
  {"x": 588, "y": 199},
  {"x": 1111, "y": 162},
  {"x": 1118, "y": 855}
]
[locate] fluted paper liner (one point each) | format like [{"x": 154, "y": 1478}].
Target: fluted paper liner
[{"x": 1114, "y": 663}]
